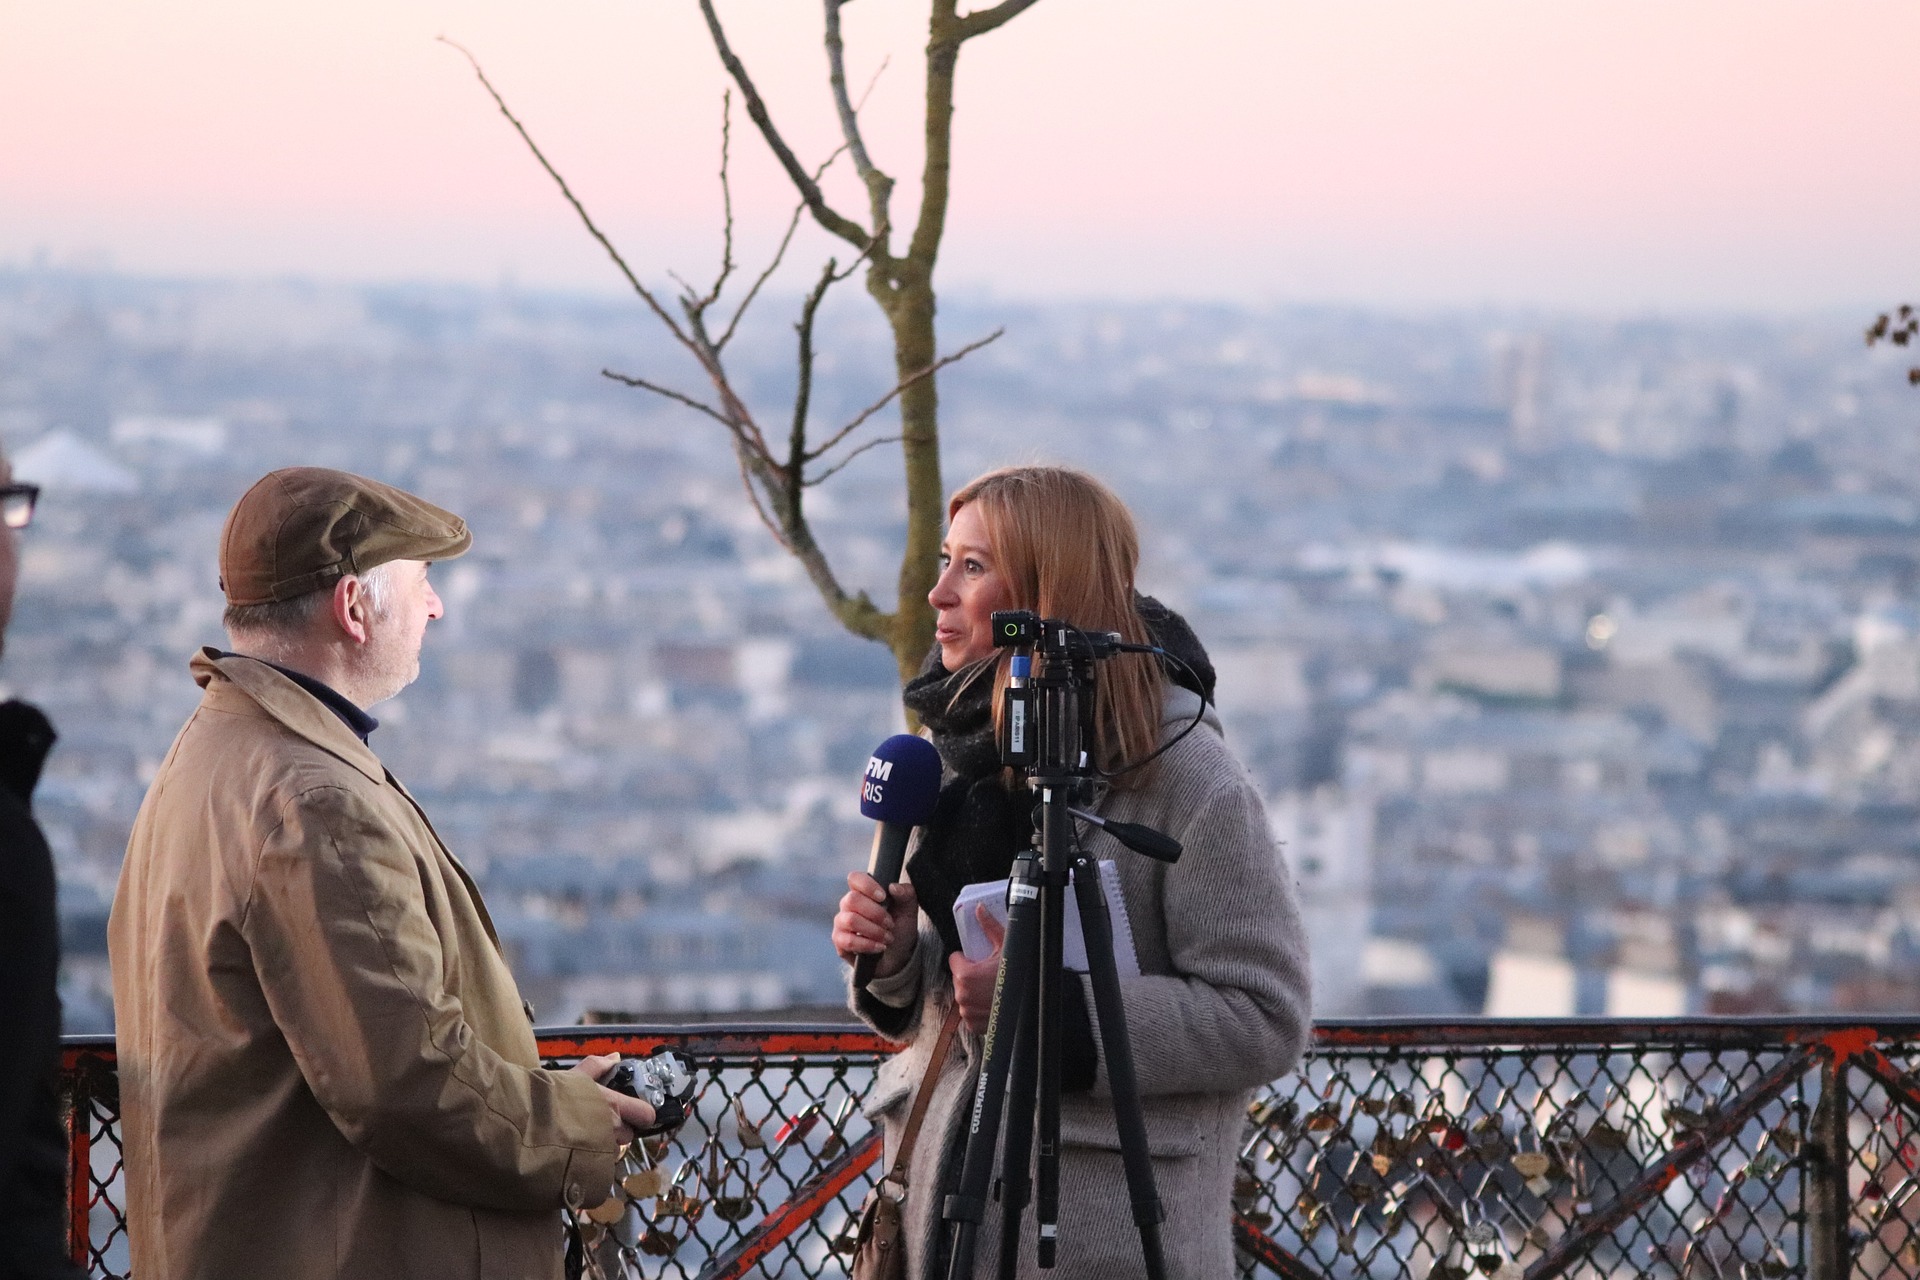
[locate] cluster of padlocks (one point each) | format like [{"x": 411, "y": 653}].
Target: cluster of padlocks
[
  {"x": 658, "y": 1201},
  {"x": 1448, "y": 1179}
]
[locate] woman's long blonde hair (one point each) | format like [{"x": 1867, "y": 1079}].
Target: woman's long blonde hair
[{"x": 1067, "y": 548}]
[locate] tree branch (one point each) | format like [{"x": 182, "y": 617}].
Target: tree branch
[
  {"x": 981, "y": 21},
  {"x": 726, "y": 202},
  {"x": 879, "y": 185},
  {"x": 750, "y": 465},
  {"x": 899, "y": 387},
  {"x": 689, "y": 296},
  {"x": 838, "y": 466},
  {"x": 670, "y": 394},
  {"x": 839, "y": 224},
  {"x": 797, "y": 456},
  {"x": 592, "y": 228},
  {"x": 733, "y": 410},
  {"x": 857, "y": 612},
  {"x": 867, "y": 92},
  {"x": 793, "y": 225},
  {"x": 748, "y": 449}
]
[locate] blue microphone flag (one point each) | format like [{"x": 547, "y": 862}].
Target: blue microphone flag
[{"x": 901, "y": 784}]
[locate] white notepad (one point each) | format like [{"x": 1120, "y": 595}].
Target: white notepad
[{"x": 992, "y": 894}]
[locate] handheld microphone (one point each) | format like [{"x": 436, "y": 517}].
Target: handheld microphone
[{"x": 899, "y": 790}]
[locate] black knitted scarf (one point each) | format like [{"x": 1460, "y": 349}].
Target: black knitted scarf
[{"x": 979, "y": 825}]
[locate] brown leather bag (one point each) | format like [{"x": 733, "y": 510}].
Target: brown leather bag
[{"x": 879, "y": 1252}]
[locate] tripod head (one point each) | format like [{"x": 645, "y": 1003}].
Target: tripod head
[
  {"x": 1048, "y": 725},
  {"x": 1025, "y": 629}
]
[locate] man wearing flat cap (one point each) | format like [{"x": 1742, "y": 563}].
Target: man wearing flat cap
[{"x": 326, "y": 1069}]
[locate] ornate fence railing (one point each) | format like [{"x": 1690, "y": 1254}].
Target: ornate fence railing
[{"x": 1725, "y": 1149}]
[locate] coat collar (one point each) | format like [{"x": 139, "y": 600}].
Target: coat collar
[
  {"x": 288, "y": 703},
  {"x": 1180, "y": 707}
]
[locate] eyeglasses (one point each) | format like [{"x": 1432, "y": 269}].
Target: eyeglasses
[{"x": 16, "y": 504}]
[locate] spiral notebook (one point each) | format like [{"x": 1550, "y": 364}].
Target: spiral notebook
[{"x": 992, "y": 894}]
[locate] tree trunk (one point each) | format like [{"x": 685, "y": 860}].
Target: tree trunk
[
  {"x": 908, "y": 299},
  {"x": 911, "y": 312}
]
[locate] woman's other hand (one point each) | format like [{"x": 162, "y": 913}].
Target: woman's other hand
[
  {"x": 973, "y": 979},
  {"x": 872, "y": 921}
]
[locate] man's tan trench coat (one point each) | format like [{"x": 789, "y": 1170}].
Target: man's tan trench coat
[{"x": 325, "y": 1066}]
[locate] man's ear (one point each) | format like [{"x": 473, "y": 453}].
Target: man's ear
[{"x": 350, "y": 608}]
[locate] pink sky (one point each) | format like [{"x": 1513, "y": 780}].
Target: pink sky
[{"x": 1578, "y": 153}]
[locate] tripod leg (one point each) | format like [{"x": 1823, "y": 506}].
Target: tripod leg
[
  {"x": 1015, "y": 1184},
  {"x": 1096, "y": 926},
  {"x": 1019, "y": 955},
  {"x": 1046, "y": 1209}
]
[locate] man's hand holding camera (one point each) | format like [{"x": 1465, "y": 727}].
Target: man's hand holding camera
[{"x": 630, "y": 1114}]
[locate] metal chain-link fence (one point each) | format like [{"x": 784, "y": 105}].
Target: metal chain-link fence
[
  {"x": 1701, "y": 1150},
  {"x": 773, "y": 1161}
]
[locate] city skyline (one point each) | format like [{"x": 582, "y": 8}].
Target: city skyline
[{"x": 1575, "y": 662}]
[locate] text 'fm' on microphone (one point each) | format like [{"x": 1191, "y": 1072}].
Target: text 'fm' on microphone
[{"x": 898, "y": 791}]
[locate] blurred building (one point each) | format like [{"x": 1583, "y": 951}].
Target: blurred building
[{"x": 1579, "y": 659}]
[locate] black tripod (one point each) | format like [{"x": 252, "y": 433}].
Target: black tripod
[{"x": 1048, "y": 730}]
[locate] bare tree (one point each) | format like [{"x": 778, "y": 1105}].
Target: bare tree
[
  {"x": 778, "y": 468},
  {"x": 1900, "y": 327}
]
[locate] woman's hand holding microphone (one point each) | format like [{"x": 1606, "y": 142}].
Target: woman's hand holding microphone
[{"x": 872, "y": 921}]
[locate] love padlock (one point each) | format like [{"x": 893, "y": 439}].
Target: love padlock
[
  {"x": 608, "y": 1211},
  {"x": 647, "y": 1182}
]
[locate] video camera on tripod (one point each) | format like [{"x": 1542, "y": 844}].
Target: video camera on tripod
[
  {"x": 1047, "y": 728},
  {"x": 1062, "y": 690}
]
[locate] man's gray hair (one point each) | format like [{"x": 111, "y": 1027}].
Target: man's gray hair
[{"x": 282, "y": 620}]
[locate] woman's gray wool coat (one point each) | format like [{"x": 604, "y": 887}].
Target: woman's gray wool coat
[{"x": 1221, "y": 1005}]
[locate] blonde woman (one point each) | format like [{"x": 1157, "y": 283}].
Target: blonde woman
[{"x": 1220, "y": 1004}]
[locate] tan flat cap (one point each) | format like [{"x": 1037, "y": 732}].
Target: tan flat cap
[{"x": 304, "y": 528}]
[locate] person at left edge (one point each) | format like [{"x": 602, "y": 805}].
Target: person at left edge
[
  {"x": 326, "y": 1070},
  {"x": 33, "y": 1144}
]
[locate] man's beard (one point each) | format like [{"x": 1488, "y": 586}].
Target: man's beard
[{"x": 390, "y": 667}]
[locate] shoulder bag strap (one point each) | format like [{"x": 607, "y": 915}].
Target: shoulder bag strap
[{"x": 921, "y": 1099}]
